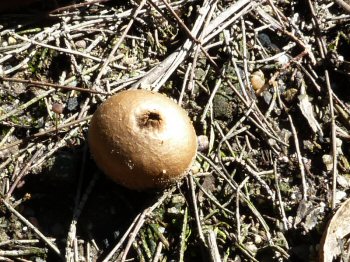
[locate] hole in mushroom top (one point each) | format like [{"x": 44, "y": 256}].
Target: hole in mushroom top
[{"x": 150, "y": 119}]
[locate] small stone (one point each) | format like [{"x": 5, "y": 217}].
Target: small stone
[
  {"x": 339, "y": 196},
  {"x": 178, "y": 199},
  {"x": 343, "y": 181},
  {"x": 196, "y": 167},
  {"x": 81, "y": 44},
  {"x": 264, "y": 39},
  {"x": 11, "y": 40},
  {"x": 174, "y": 211},
  {"x": 203, "y": 143},
  {"x": 251, "y": 247},
  {"x": 283, "y": 60},
  {"x": 258, "y": 239},
  {"x": 328, "y": 162},
  {"x": 72, "y": 103}
]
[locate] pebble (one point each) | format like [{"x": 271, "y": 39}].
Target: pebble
[
  {"x": 72, "y": 103},
  {"x": 203, "y": 143}
]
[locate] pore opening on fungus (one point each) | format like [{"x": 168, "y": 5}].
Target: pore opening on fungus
[{"x": 150, "y": 120}]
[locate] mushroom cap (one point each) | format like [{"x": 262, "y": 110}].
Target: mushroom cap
[{"x": 142, "y": 139}]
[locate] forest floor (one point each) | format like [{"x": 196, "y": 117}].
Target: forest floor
[{"x": 266, "y": 84}]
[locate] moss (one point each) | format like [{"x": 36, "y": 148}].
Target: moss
[{"x": 223, "y": 105}]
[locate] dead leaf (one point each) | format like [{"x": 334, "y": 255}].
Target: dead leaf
[
  {"x": 303, "y": 210},
  {"x": 209, "y": 185},
  {"x": 306, "y": 109},
  {"x": 337, "y": 228}
]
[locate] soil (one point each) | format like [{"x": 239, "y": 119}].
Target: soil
[{"x": 265, "y": 181}]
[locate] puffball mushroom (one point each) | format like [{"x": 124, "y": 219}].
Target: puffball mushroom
[{"x": 142, "y": 139}]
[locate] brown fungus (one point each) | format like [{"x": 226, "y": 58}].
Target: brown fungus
[{"x": 142, "y": 139}]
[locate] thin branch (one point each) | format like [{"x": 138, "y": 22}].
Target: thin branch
[
  {"x": 300, "y": 161},
  {"x": 120, "y": 41},
  {"x": 32, "y": 227},
  {"x": 37, "y": 83},
  {"x": 46, "y": 132}
]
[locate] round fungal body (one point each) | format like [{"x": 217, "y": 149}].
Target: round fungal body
[
  {"x": 257, "y": 80},
  {"x": 142, "y": 139}
]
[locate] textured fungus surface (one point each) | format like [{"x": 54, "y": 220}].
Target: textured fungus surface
[{"x": 142, "y": 139}]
